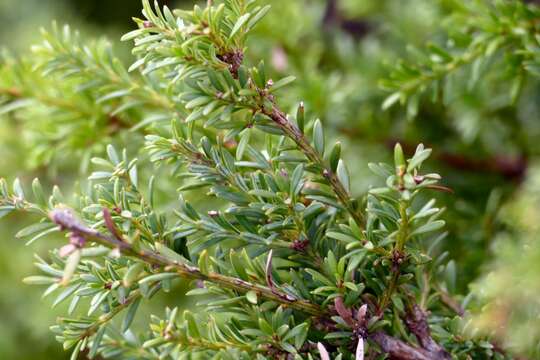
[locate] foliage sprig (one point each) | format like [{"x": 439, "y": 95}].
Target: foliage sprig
[{"x": 286, "y": 262}]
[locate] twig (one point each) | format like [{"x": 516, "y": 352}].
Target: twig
[
  {"x": 234, "y": 60},
  {"x": 298, "y": 137},
  {"x": 398, "y": 350},
  {"x": 397, "y": 257},
  {"x": 417, "y": 323},
  {"x": 67, "y": 221},
  {"x": 110, "y": 315}
]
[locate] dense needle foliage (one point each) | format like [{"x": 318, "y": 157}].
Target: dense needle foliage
[{"x": 284, "y": 258}]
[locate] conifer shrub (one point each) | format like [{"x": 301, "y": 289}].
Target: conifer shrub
[{"x": 201, "y": 176}]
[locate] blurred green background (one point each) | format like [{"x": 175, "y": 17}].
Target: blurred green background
[
  {"x": 338, "y": 50},
  {"x": 24, "y": 316}
]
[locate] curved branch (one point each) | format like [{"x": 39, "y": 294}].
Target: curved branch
[{"x": 67, "y": 221}]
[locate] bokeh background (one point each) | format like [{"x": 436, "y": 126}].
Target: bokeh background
[
  {"x": 485, "y": 147},
  {"x": 24, "y": 316}
]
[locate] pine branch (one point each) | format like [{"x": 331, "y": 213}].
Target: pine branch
[
  {"x": 298, "y": 137},
  {"x": 505, "y": 27},
  {"x": 284, "y": 237},
  {"x": 91, "y": 330},
  {"x": 67, "y": 221},
  {"x": 402, "y": 234}
]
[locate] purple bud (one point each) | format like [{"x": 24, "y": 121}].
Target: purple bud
[{"x": 77, "y": 240}]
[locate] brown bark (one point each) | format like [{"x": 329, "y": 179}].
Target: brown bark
[
  {"x": 399, "y": 350},
  {"x": 417, "y": 323}
]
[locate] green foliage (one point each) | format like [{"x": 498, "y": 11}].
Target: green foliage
[
  {"x": 287, "y": 258},
  {"x": 97, "y": 97},
  {"x": 479, "y": 32}
]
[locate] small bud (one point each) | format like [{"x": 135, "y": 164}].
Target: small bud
[
  {"x": 148, "y": 24},
  {"x": 399, "y": 158},
  {"x": 361, "y": 314}
]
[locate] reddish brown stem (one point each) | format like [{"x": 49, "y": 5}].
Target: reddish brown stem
[
  {"x": 399, "y": 350},
  {"x": 417, "y": 323},
  {"x": 68, "y": 222},
  {"x": 294, "y": 133}
]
